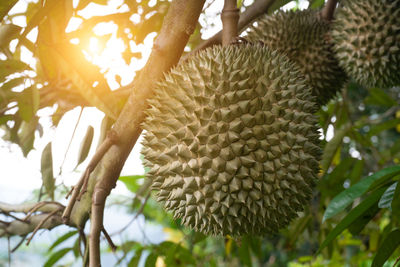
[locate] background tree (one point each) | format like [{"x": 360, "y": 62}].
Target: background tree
[{"x": 353, "y": 218}]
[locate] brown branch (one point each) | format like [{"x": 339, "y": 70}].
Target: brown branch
[
  {"x": 109, "y": 240},
  {"x": 257, "y": 9},
  {"x": 178, "y": 25},
  {"x": 41, "y": 223},
  {"x": 328, "y": 10},
  {"x": 230, "y": 18}
]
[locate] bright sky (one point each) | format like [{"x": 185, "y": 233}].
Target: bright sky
[{"x": 21, "y": 175}]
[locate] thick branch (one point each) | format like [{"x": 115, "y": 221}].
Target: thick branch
[
  {"x": 178, "y": 25},
  {"x": 252, "y": 12},
  {"x": 328, "y": 10},
  {"x": 230, "y": 18}
]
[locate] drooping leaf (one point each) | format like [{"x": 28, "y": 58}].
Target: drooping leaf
[
  {"x": 47, "y": 170},
  {"x": 343, "y": 199},
  {"x": 379, "y": 97},
  {"x": 151, "y": 260},
  {"x": 8, "y": 32},
  {"x": 390, "y": 124},
  {"x": 358, "y": 225},
  {"x": 134, "y": 262},
  {"x": 56, "y": 256},
  {"x": 28, "y": 103},
  {"x": 389, "y": 245},
  {"x": 26, "y": 135},
  {"x": 387, "y": 197},
  {"x": 85, "y": 145},
  {"x": 352, "y": 216},
  {"x": 5, "y": 6},
  {"x": 61, "y": 239},
  {"x": 11, "y": 66},
  {"x": 396, "y": 201}
]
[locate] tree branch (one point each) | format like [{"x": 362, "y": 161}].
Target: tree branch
[
  {"x": 230, "y": 18},
  {"x": 257, "y": 9},
  {"x": 328, "y": 10},
  {"x": 178, "y": 25}
]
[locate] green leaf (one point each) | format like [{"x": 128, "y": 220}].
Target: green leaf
[
  {"x": 389, "y": 245},
  {"x": 352, "y": 216},
  {"x": 244, "y": 253},
  {"x": 62, "y": 239},
  {"x": 151, "y": 260},
  {"x": 332, "y": 146},
  {"x": 356, "y": 227},
  {"x": 134, "y": 262},
  {"x": 47, "y": 171},
  {"x": 342, "y": 200},
  {"x": 132, "y": 182},
  {"x": 26, "y": 135},
  {"x": 56, "y": 256},
  {"x": 85, "y": 145},
  {"x": 28, "y": 103},
  {"x": 379, "y": 97},
  {"x": 387, "y": 197},
  {"x": 390, "y": 124},
  {"x": 396, "y": 201}
]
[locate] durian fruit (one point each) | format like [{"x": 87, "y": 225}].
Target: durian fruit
[
  {"x": 303, "y": 37},
  {"x": 231, "y": 141},
  {"x": 366, "y": 36}
]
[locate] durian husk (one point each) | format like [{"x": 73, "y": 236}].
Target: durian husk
[
  {"x": 231, "y": 141},
  {"x": 303, "y": 37},
  {"x": 366, "y": 36}
]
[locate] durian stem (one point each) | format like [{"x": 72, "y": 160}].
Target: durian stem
[
  {"x": 179, "y": 23},
  {"x": 230, "y": 18},
  {"x": 328, "y": 10}
]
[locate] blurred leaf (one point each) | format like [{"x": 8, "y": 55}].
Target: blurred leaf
[
  {"x": 134, "y": 262},
  {"x": 85, "y": 145},
  {"x": 353, "y": 215},
  {"x": 317, "y": 4},
  {"x": 244, "y": 253},
  {"x": 56, "y": 256},
  {"x": 8, "y": 32},
  {"x": 28, "y": 103},
  {"x": 132, "y": 182},
  {"x": 390, "y": 124},
  {"x": 332, "y": 146},
  {"x": 151, "y": 260},
  {"x": 11, "y": 66},
  {"x": 26, "y": 135},
  {"x": 389, "y": 245},
  {"x": 387, "y": 197},
  {"x": 47, "y": 170},
  {"x": 342, "y": 200},
  {"x": 5, "y": 6},
  {"x": 100, "y": 2},
  {"x": 396, "y": 201},
  {"x": 379, "y": 97},
  {"x": 61, "y": 239}
]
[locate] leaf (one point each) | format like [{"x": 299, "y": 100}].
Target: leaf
[
  {"x": 390, "y": 124},
  {"x": 396, "y": 201},
  {"x": 5, "y": 6},
  {"x": 47, "y": 170},
  {"x": 332, "y": 146},
  {"x": 151, "y": 260},
  {"x": 389, "y": 245},
  {"x": 342, "y": 200},
  {"x": 28, "y": 103},
  {"x": 132, "y": 182},
  {"x": 8, "y": 32},
  {"x": 56, "y": 256},
  {"x": 244, "y": 253},
  {"x": 62, "y": 239},
  {"x": 26, "y": 135},
  {"x": 355, "y": 213},
  {"x": 379, "y": 97},
  {"x": 356, "y": 227},
  {"x": 387, "y": 197},
  {"x": 134, "y": 262},
  {"x": 11, "y": 66},
  {"x": 85, "y": 145}
]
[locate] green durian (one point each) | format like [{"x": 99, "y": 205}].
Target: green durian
[
  {"x": 366, "y": 36},
  {"x": 231, "y": 141},
  {"x": 303, "y": 37}
]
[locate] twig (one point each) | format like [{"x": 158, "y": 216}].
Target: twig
[
  {"x": 70, "y": 141},
  {"x": 178, "y": 24},
  {"x": 19, "y": 243},
  {"x": 80, "y": 188},
  {"x": 40, "y": 225},
  {"x": 328, "y": 10},
  {"x": 39, "y": 205},
  {"x": 230, "y": 18},
  {"x": 257, "y": 9},
  {"x": 397, "y": 261},
  {"x": 109, "y": 240}
]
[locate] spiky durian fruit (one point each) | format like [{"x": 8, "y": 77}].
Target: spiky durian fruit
[
  {"x": 366, "y": 36},
  {"x": 232, "y": 141},
  {"x": 302, "y": 36}
]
